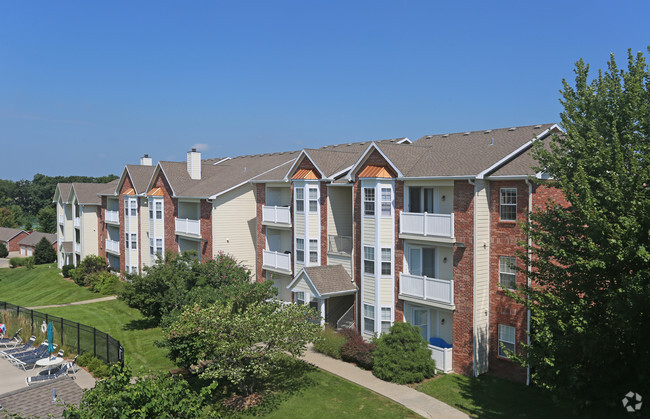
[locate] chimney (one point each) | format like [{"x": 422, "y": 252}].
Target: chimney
[
  {"x": 146, "y": 160},
  {"x": 194, "y": 164}
]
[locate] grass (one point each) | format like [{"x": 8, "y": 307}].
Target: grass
[
  {"x": 40, "y": 286},
  {"x": 491, "y": 397},
  {"x": 124, "y": 324}
]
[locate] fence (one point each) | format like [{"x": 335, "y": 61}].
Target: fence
[{"x": 75, "y": 336}]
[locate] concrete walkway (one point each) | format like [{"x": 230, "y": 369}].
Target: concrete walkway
[
  {"x": 77, "y": 303},
  {"x": 418, "y": 402}
]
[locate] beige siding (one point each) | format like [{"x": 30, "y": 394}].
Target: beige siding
[
  {"x": 301, "y": 285},
  {"x": 339, "y": 214},
  {"x": 68, "y": 226},
  {"x": 368, "y": 284},
  {"x": 444, "y": 329},
  {"x": 299, "y": 266},
  {"x": 89, "y": 238},
  {"x": 299, "y": 224},
  {"x": 335, "y": 259},
  {"x": 481, "y": 278},
  {"x": 314, "y": 226},
  {"x": 446, "y": 269},
  {"x": 387, "y": 227},
  {"x": 386, "y": 291},
  {"x": 446, "y": 206},
  {"x": 144, "y": 232},
  {"x": 369, "y": 231},
  {"x": 234, "y": 225},
  {"x": 281, "y": 282}
]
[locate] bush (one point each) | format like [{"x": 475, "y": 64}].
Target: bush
[
  {"x": 17, "y": 261},
  {"x": 357, "y": 350},
  {"x": 402, "y": 356},
  {"x": 95, "y": 365},
  {"x": 29, "y": 262},
  {"x": 329, "y": 342},
  {"x": 104, "y": 282},
  {"x": 66, "y": 270},
  {"x": 44, "y": 252},
  {"x": 3, "y": 251},
  {"x": 89, "y": 265}
]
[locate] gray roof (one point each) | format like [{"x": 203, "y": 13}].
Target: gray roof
[
  {"x": 88, "y": 193},
  {"x": 64, "y": 190},
  {"x": 140, "y": 176},
  {"x": 34, "y": 238},
  {"x": 7, "y": 233},
  {"x": 36, "y": 400},
  {"x": 330, "y": 279}
]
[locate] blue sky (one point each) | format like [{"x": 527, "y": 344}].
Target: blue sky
[{"x": 86, "y": 87}]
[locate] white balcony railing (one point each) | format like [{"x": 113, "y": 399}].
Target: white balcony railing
[
  {"x": 112, "y": 216},
  {"x": 61, "y": 218},
  {"x": 113, "y": 246},
  {"x": 443, "y": 358},
  {"x": 77, "y": 222},
  {"x": 425, "y": 288},
  {"x": 187, "y": 226},
  {"x": 425, "y": 224},
  {"x": 77, "y": 247},
  {"x": 276, "y": 260},
  {"x": 275, "y": 214}
]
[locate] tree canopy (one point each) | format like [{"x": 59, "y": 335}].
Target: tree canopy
[
  {"x": 590, "y": 258},
  {"x": 44, "y": 252}
]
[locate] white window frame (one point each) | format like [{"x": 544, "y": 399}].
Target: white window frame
[
  {"x": 507, "y": 268},
  {"x": 425, "y": 324},
  {"x": 300, "y": 249},
  {"x": 299, "y": 297},
  {"x": 504, "y": 331},
  {"x": 386, "y": 321},
  {"x": 386, "y": 204},
  {"x": 313, "y": 251},
  {"x": 311, "y": 200},
  {"x": 366, "y": 259},
  {"x": 159, "y": 203},
  {"x": 369, "y": 321},
  {"x": 504, "y": 203},
  {"x": 369, "y": 209},
  {"x": 134, "y": 241},
  {"x": 388, "y": 262},
  {"x": 300, "y": 199}
]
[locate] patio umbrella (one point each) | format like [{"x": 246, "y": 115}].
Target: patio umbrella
[{"x": 50, "y": 338}]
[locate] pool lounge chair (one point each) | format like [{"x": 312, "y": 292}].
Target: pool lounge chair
[
  {"x": 63, "y": 371},
  {"x": 13, "y": 342},
  {"x": 31, "y": 361},
  {"x": 40, "y": 352},
  {"x": 26, "y": 347}
]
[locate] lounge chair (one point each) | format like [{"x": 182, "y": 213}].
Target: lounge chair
[
  {"x": 39, "y": 352},
  {"x": 63, "y": 371},
  {"x": 13, "y": 342},
  {"x": 25, "y": 362},
  {"x": 26, "y": 347}
]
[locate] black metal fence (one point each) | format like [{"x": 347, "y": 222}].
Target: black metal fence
[{"x": 75, "y": 336}]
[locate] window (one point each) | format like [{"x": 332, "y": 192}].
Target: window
[
  {"x": 386, "y": 202},
  {"x": 368, "y": 201},
  {"x": 134, "y": 241},
  {"x": 385, "y": 261},
  {"x": 507, "y": 272},
  {"x": 151, "y": 210},
  {"x": 159, "y": 246},
  {"x": 299, "y": 298},
  {"x": 313, "y": 250},
  {"x": 368, "y": 318},
  {"x": 369, "y": 260},
  {"x": 158, "y": 210},
  {"x": 152, "y": 251},
  {"x": 385, "y": 319},
  {"x": 300, "y": 250},
  {"x": 313, "y": 200},
  {"x": 508, "y": 204},
  {"x": 134, "y": 207},
  {"x": 126, "y": 242},
  {"x": 300, "y": 199},
  {"x": 506, "y": 340},
  {"x": 421, "y": 320},
  {"x": 155, "y": 247},
  {"x": 134, "y": 269}
]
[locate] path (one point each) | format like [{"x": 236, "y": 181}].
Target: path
[
  {"x": 418, "y": 402},
  {"x": 77, "y": 303}
]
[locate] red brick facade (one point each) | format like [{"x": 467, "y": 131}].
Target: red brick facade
[
  {"x": 12, "y": 244},
  {"x": 170, "y": 211}
]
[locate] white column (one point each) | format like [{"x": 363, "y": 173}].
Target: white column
[{"x": 321, "y": 307}]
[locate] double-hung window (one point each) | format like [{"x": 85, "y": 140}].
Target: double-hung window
[
  {"x": 508, "y": 204},
  {"x": 150, "y": 209},
  {"x": 158, "y": 210},
  {"x": 299, "y": 298},
  {"x": 369, "y": 201},
  {"x": 134, "y": 241},
  {"x": 159, "y": 246},
  {"x": 385, "y": 319},
  {"x": 134, "y": 207},
  {"x": 300, "y": 199},
  {"x": 507, "y": 272},
  {"x": 368, "y": 318},
  {"x": 385, "y": 260},
  {"x": 506, "y": 340},
  {"x": 386, "y": 202},
  {"x": 152, "y": 250},
  {"x": 300, "y": 250},
  {"x": 313, "y": 200},
  {"x": 313, "y": 250},
  {"x": 369, "y": 260},
  {"x": 126, "y": 242}
]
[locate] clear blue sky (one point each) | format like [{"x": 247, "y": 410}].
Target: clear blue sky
[{"x": 86, "y": 87}]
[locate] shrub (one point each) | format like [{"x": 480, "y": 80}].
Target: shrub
[
  {"x": 66, "y": 270},
  {"x": 357, "y": 350},
  {"x": 3, "y": 251},
  {"x": 329, "y": 342},
  {"x": 402, "y": 356},
  {"x": 29, "y": 262},
  {"x": 95, "y": 365},
  {"x": 104, "y": 282},
  {"x": 90, "y": 264},
  {"x": 44, "y": 252},
  {"x": 18, "y": 261}
]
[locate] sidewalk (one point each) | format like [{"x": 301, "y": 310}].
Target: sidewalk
[
  {"x": 77, "y": 303},
  {"x": 418, "y": 402}
]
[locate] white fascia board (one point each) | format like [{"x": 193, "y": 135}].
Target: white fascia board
[
  {"x": 71, "y": 194},
  {"x": 222, "y": 160},
  {"x": 335, "y": 294},
  {"x": 454, "y": 177},
  {"x": 310, "y": 283},
  {"x": 518, "y": 151},
  {"x": 251, "y": 180},
  {"x": 347, "y": 169},
  {"x": 363, "y": 158},
  {"x": 125, "y": 173},
  {"x": 405, "y": 140},
  {"x": 164, "y": 174},
  {"x": 303, "y": 153},
  {"x": 507, "y": 177},
  {"x": 296, "y": 278},
  {"x": 339, "y": 185}
]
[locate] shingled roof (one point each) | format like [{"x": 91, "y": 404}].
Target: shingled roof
[
  {"x": 328, "y": 280},
  {"x": 88, "y": 193},
  {"x": 7, "y": 233},
  {"x": 62, "y": 189},
  {"x": 36, "y": 400},
  {"x": 34, "y": 238}
]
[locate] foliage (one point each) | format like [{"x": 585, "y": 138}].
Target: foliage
[
  {"x": 66, "y": 270},
  {"x": 89, "y": 265},
  {"x": 402, "y": 356},
  {"x": 44, "y": 252},
  {"x": 29, "y": 262},
  {"x": 357, "y": 350},
  {"x": 329, "y": 342},
  {"x": 7, "y": 218},
  {"x": 240, "y": 346},
  {"x": 181, "y": 279},
  {"x": 590, "y": 300},
  {"x": 95, "y": 365},
  {"x": 18, "y": 261},
  {"x": 3, "y": 251},
  {"x": 118, "y": 397},
  {"x": 104, "y": 282},
  {"x": 47, "y": 220}
]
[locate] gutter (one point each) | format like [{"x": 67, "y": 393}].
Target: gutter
[{"x": 530, "y": 242}]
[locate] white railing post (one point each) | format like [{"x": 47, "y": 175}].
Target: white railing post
[{"x": 424, "y": 224}]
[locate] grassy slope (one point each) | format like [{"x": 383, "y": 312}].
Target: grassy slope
[
  {"x": 124, "y": 324},
  {"x": 42, "y": 285},
  {"x": 491, "y": 397}
]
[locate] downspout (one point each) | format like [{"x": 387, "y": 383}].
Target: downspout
[
  {"x": 474, "y": 349},
  {"x": 530, "y": 209}
]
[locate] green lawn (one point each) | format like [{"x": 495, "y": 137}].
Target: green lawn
[
  {"x": 40, "y": 286},
  {"x": 491, "y": 397},
  {"x": 124, "y": 324}
]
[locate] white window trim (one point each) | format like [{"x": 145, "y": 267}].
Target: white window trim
[
  {"x": 499, "y": 340},
  {"x": 296, "y": 199},
  {"x": 381, "y": 202},
  {"x": 501, "y": 204},
  {"x": 300, "y": 250},
  {"x": 374, "y": 260},
  {"x": 374, "y": 313},
  {"x": 502, "y": 261},
  {"x": 382, "y": 261},
  {"x": 381, "y": 320},
  {"x": 374, "y": 206},
  {"x": 308, "y": 199}
]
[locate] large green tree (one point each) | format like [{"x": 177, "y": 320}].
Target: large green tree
[
  {"x": 44, "y": 252},
  {"x": 590, "y": 258},
  {"x": 47, "y": 220},
  {"x": 7, "y": 218}
]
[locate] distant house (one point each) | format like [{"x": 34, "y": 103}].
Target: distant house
[
  {"x": 28, "y": 244},
  {"x": 10, "y": 237}
]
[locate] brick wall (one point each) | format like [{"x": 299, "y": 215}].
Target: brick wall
[
  {"x": 323, "y": 223},
  {"x": 356, "y": 240},
  {"x": 206, "y": 230},
  {"x": 260, "y": 197},
  {"x": 399, "y": 249},
  {"x": 170, "y": 211},
  {"x": 12, "y": 245}
]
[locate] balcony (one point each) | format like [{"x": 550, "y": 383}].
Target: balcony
[
  {"x": 425, "y": 289},
  {"x": 77, "y": 222},
  {"x": 61, "y": 219},
  {"x": 112, "y": 217},
  {"x": 187, "y": 226},
  {"x": 425, "y": 225},
  {"x": 113, "y": 246},
  {"x": 280, "y": 216},
  {"x": 339, "y": 244},
  {"x": 276, "y": 261},
  {"x": 77, "y": 247}
]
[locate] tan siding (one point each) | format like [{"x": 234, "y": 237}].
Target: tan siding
[
  {"x": 144, "y": 232},
  {"x": 281, "y": 282},
  {"x": 387, "y": 226},
  {"x": 299, "y": 224},
  {"x": 368, "y": 290},
  {"x": 481, "y": 297},
  {"x": 335, "y": 259},
  {"x": 314, "y": 226},
  {"x": 446, "y": 206},
  {"x": 89, "y": 237},
  {"x": 386, "y": 291},
  {"x": 369, "y": 231},
  {"x": 339, "y": 215}
]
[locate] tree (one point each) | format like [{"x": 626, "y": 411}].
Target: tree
[
  {"x": 590, "y": 258},
  {"x": 88, "y": 266},
  {"x": 7, "y": 218},
  {"x": 242, "y": 347},
  {"x": 47, "y": 220},
  {"x": 3, "y": 251},
  {"x": 44, "y": 252}
]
